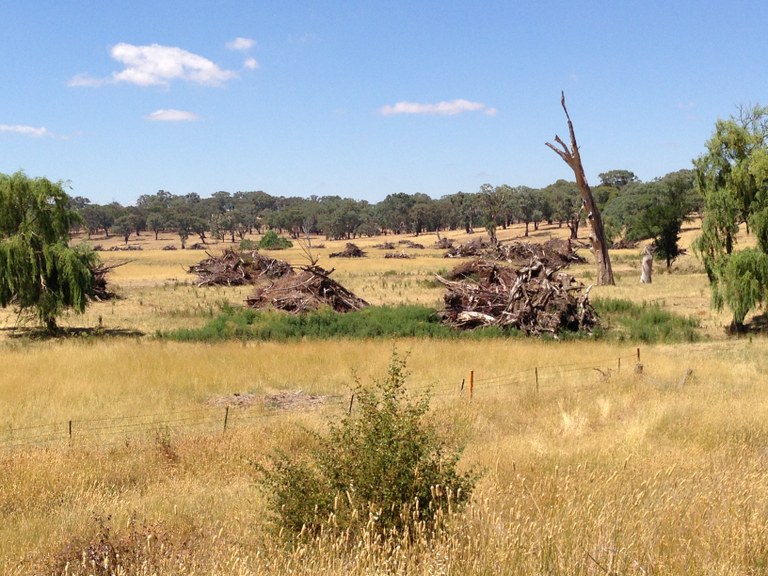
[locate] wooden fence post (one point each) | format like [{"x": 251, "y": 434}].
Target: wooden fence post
[
  {"x": 226, "y": 417},
  {"x": 536, "y": 373},
  {"x": 471, "y": 383}
]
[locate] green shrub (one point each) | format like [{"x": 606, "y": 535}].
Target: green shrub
[
  {"x": 248, "y": 244},
  {"x": 271, "y": 241},
  {"x": 383, "y": 469}
]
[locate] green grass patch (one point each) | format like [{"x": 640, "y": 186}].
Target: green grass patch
[
  {"x": 372, "y": 322},
  {"x": 624, "y": 320},
  {"x": 621, "y": 320}
]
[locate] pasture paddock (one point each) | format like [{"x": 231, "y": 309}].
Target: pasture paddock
[{"x": 596, "y": 472}]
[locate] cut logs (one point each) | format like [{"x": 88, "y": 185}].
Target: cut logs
[
  {"x": 307, "y": 290},
  {"x": 534, "y": 299},
  {"x": 234, "y": 268}
]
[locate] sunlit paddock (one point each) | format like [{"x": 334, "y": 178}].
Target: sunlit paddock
[{"x": 589, "y": 463}]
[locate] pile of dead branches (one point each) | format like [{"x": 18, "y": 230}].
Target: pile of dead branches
[
  {"x": 472, "y": 249},
  {"x": 351, "y": 251},
  {"x": 99, "y": 291},
  {"x": 534, "y": 299},
  {"x": 443, "y": 244},
  {"x": 305, "y": 291},
  {"x": 384, "y": 246},
  {"x": 411, "y": 244},
  {"x": 555, "y": 252},
  {"x": 400, "y": 254},
  {"x": 234, "y": 268}
]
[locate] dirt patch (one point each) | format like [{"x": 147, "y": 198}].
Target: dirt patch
[
  {"x": 296, "y": 400},
  {"x": 287, "y": 400}
]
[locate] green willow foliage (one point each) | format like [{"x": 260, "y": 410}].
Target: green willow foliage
[
  {"x": 39, "y": 272},
  {"x": 732, "y": 176}
]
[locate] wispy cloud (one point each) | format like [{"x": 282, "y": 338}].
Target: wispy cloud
[
  {"x": 241, "y": 44},
  {"x": 171, "y": 115},
  {"x": 31, "y": 131},
  {"x": 450, "y": 108},
  {"x": 155, "y": 65},
  {"x": 251, "y": 63}
]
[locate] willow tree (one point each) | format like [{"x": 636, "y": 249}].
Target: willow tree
[
  {"x": 572, "y": 157},
  {"x": 40, "y": 273},
  {"x": 732, "y": 177}
]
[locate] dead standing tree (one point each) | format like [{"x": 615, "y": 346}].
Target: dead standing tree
[{"x": 572, "y": 157}]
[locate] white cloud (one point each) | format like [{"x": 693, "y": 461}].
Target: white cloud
[
  {"x": 451, "y": 108},
  {"x": 241, "y": 44},
  {"x": 32, "y": 131},
  {"x": 158, "y": 65},
  {"x": 171, "y": 115},
  {"x": 251, "y": 63}
]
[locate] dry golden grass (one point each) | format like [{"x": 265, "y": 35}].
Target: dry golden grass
[{"x": 592, "y": 469}]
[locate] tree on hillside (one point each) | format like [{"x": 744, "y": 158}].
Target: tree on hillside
[
  {"x": 40, "y": 272},
  {"x": 732, "y": 176},
  {"x": 572, "y": 157}
]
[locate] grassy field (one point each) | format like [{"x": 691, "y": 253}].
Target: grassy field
[{"x": 140, "y": 454}]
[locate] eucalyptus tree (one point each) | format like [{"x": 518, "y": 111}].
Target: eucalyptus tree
[{"x": 41, "y": 273}]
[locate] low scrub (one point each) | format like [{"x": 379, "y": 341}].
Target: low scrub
[
  {"x": 620, "y": 320},
  {"x": 624, "y": 320},
  {"x": 372, "y": 322},
  {"x": 383, "y": 469}
]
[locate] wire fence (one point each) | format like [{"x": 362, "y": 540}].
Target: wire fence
[{"x": 220, "y": 420}]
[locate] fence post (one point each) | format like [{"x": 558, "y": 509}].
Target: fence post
[
  {"x": 351, "y": 399},
  {"x": 638, "y": 355},
  {"x": 619, "y": 364},
  {"x": 536, "y": 373},
  {"x": 70, "y": 429},
  {"x": 226, "y": 417},
  {"x": 471, "y": 383}
]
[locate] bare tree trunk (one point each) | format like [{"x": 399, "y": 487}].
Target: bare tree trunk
[{"x": 572, "y": 157}]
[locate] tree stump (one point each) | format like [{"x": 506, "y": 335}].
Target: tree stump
[{"x": 647, "y": 268}]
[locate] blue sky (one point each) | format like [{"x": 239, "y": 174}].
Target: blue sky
[{"x": 364, "y": 99}]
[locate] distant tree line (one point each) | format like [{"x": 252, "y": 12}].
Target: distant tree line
[{"x": 633, "y": 210}]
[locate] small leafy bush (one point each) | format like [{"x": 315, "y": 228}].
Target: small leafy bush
[
  {"x": 271, "y": 241},
  {"x": 248, "y": 244},
  {"x": 382, "y": 469}
]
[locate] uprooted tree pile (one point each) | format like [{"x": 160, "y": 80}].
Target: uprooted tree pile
[
  {"x": 534, "y": 299},
  {"x": 555, "y": 252},
  {"x": 307, "y": 290},
  {"x": 234, "y": 268},
  {"x": 350, "y": 251},
  {"x": 99, "y": 291}
]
